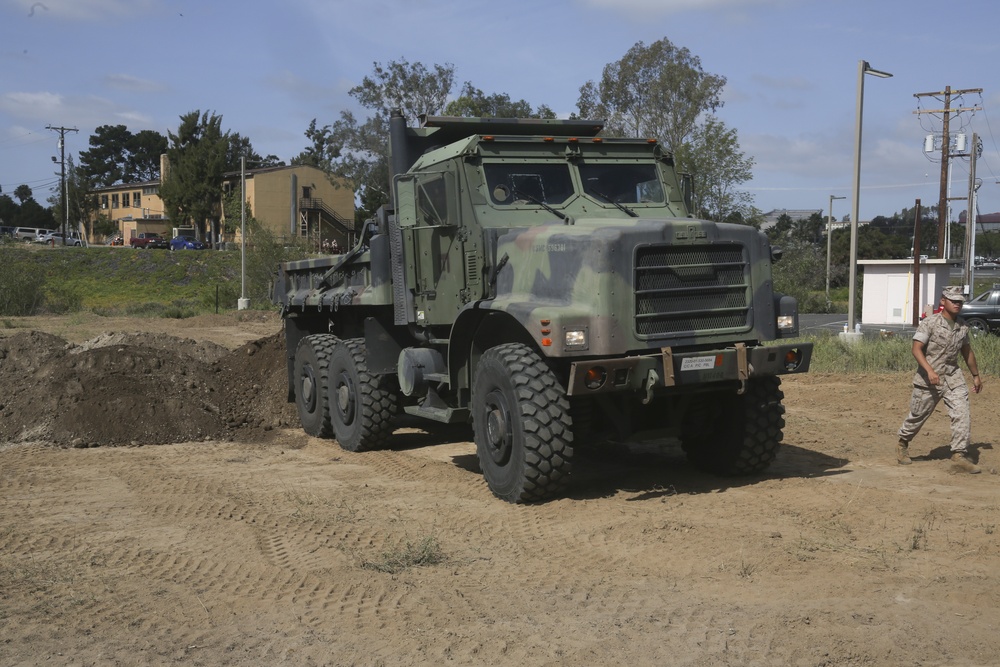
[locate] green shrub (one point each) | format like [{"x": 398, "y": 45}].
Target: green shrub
[{"x": 21, "y": 291}]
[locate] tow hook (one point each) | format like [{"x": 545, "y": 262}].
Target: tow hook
[{"x": 651, "y": 379}]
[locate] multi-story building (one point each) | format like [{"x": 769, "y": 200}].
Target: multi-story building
[{"x": 294, "y": 203}]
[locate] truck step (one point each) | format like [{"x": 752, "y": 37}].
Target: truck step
[{"x": 443, "y": 415}]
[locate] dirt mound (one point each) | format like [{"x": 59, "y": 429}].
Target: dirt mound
[{"x": 139, "y": 388}]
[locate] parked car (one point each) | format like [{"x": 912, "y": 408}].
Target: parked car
[
  {"x": 29, "y": 234},
  {"x": 186, "y": 243},
  {"x": 148, "y": 240},
  {"x": 73, "y": 239},
  {"x": 7, "y": 231},
  {"x": 982, "y": 314}
]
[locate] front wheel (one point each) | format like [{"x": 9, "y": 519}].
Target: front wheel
[
  {"x": 362, "y": 405},
  {"x": 736, "y": 434},
  {"x": 522, "y": 425}
]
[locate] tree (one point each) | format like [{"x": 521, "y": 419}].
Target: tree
[
  {"x": 653, "y": 91},
  {"x": 713, "y": 158},
  {"x": 145, "y": 149},
  {"x": 474, "y": 103},
  {"x": 81, "y": 204},
  {"x": 324, "y": 148},
  {"x": 239, "y": 147},
  {"x": 23, "y": 193},
  {"x": 8, "y": 209},
  {"x": 359, "y": 151},
  {"x": 190, "y": 188},
  {"x": 118, "y": 156},
  {"x": 32, "y": 214}
]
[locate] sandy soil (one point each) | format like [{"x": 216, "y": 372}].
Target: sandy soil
[{"x": 158, "y": 505}]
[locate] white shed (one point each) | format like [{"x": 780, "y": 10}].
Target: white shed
[{"x": 887, "y": 295}]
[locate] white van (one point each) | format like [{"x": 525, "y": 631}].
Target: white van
[{"x": 29, "y": 234}]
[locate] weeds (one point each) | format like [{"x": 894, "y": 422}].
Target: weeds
[
  {"x": 392, "y": 561},
  {"x": 831, "y": 354}
]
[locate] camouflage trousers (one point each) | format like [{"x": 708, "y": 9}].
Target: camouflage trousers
[{"x": 922, "y": 403}]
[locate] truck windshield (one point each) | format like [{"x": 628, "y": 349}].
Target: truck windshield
[
  {"x": 521, "y": 183},
  {"x": 623, "y": 183}
]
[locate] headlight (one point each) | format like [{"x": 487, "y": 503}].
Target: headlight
[
  {"x": 576, "y": 339},
  {"x": 786, "y": 322}
]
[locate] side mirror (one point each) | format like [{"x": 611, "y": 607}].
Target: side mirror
[{"x": 776, "y": 254}]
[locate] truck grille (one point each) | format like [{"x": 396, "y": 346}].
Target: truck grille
[{"x": 683, "y": 290}]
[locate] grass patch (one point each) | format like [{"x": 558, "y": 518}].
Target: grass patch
[
  {"x": 392, "y": 561},
  {"x": 873, "y": 354},
  {"x": 143, "y": 283}
]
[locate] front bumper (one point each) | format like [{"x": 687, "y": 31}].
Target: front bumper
[{"x": 686, "y": 369}]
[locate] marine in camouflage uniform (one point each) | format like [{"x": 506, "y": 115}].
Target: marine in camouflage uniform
[{"x": 939, "y": 340}]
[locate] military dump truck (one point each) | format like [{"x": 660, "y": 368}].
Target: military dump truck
[{"x": 548, "y": 286}]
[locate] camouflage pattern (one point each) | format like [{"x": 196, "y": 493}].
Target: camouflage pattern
[
  {"x": 943, "y": 342},
  {"x": 497, "y": 234}
]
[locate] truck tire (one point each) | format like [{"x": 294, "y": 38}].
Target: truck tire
[
  {"x": 736, "y": 434},
  {"x": 312, "y": 361},
  {"x": 522, "y": 425},
  {"x": 362, "y": 406}
]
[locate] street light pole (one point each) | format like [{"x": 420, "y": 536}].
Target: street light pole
[
  {"x": 829, "y": 233},
  {"x": 863, "y": 68},
  {"x": 244, "y": 302}
]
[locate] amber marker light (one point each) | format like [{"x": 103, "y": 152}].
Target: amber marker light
[
  {"x": 546, "y": 342},
  {"x": 792, "y": 359},
  {"x": 595, "y": 378}
]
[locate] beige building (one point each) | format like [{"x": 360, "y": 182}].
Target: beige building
[
  {"x": 297, "y": 202},
  {"x": 133, "y": 208}
]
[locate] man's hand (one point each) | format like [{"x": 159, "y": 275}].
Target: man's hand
[
  {"x": 977, "y": 384},
  {"x": 934, "y": 378}
]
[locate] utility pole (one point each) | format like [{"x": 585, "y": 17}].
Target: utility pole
[
  {"x": 62, "y": 164},
  {"x": 970, "y": 220},
  {"x": 945, "y": 153}
]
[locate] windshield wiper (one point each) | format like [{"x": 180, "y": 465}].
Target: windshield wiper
[
  {"x": 535, "y": 200},
  {"x": 611, "y": 201}
]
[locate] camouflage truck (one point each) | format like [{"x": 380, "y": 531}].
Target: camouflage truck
[{"x": 549, "y": 286}]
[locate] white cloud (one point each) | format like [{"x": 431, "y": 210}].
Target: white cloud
[
  {"x": 651, "y": 8},
  {"x": 92, "y": 10},
  {"x": 31, "y": 105},
  {"x": 133, "y": 84}
]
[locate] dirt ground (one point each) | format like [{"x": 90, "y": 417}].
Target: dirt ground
[{"x": 159, "y": 505}]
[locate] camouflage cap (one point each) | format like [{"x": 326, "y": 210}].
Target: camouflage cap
[{"x": 953, "y": 293}]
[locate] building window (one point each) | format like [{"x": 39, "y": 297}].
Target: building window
[
  {"x": 136, "y": 199},
  {"x": 114, "y": 201},
  {"x": 125, "y": 200},
  {"x": 150, "y": 190},
  {"x": 104, "y": 201}
]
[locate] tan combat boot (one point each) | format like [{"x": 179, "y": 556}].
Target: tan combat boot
[
  {"x": 961, "y": 463},
  {"x": 903, "y": 453}
]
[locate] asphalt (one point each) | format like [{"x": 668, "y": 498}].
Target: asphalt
[{"x": 813, "y": 323}]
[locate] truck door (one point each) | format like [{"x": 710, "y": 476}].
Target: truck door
[{"x": 433, "y": 242}]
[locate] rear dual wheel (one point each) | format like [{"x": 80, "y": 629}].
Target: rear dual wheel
[
  {"x": 311, "y": 377},
  {"x": 361, "y": 405}
]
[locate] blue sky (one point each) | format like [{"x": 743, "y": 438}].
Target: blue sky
[{"x": 269, "y": 67}]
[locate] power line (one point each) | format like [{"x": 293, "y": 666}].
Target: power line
[{"x": 946, "y": 113}]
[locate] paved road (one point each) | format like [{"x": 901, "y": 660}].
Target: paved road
[{"x": 814, "y": 323}]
